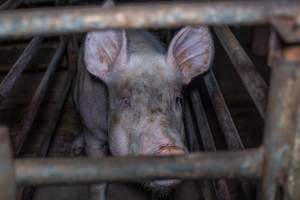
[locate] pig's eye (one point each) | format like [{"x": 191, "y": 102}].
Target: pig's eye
[
  {"x": 179, "y": 101},
  {"x": 125, "y": 102}
]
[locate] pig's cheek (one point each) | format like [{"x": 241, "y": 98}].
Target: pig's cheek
[{"x": 118, "y": 141}]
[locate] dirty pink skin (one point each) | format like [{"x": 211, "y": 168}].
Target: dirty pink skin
[{"x": 128, "y": 92}]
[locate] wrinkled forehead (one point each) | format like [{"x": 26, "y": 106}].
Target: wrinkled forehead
[{"x": 148, "y": 71}]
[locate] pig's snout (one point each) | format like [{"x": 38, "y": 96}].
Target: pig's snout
[{"x": 168, "y": 150}]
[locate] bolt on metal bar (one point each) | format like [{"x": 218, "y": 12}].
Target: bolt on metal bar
[
  {"x": 247, "y": 163},
  {"x": 221, "y": 186},
  {"x": 7, "y": 176},
  {"x": 38, "y": 97},
  {"x": 15, "y": 72},
  {"x": 81, "y": 19},
  {"x": 281, "y": 118},
  {"x": 256, "y": 86}
]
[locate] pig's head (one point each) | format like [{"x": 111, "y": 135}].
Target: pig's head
[{"x": 145, "y": 113}]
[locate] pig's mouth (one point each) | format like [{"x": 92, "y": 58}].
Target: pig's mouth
[
  {"x": 166, "y": 184},
  {"x": 162, "y": 186}
]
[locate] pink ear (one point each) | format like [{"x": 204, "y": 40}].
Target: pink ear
[
  {"x": 191, "y": 50},
  {"x": 103, "y": 51}
]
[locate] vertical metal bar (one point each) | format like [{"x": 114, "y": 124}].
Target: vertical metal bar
[
  {"x": 206, "y": 186},
  {"x": 283, "y": 97},
  {"x": 252, "y": 80},
  {"x": 228, "y": 127},
  {"x": 292, "y": 191},
  {"x": 27, "y": 192},
  {"x": 7, "y": 174},
  {"x": 291, "y": 187},
  {"x": 221, "y": 186},
  {"x": 232, "y": 137},
  {"x": 15, "y": 72},
  {"x": 38, "y": 98}
]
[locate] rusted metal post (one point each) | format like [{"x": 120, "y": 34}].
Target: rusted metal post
[
  {"x": 15, "y": 72},
  {"x": 281, "y": 119},
  {"x": 247, "y": 163},
  {"x": 292, "y": 185},
  {"x": 221, "y": 186},
  {"x": 38, "y": 98},
  {"x": 256, "y": 86},
  {"x": 81, "y": 19},
  {"x": 7, "y": 175}
]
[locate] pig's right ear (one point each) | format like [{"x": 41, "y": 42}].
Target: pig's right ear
[{"x": 103, "y": 51}]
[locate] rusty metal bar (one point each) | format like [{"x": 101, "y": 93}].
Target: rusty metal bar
[
  {"x": 15, "y": 72},
  {"x": 256, "y": 86},
  {"x": 208, "y": 142},
  {"x": 10, "y": 4},
  {"x": 82, "y": 19},
  {"x": 194, "y": 146},
  {"x": 27, "y": 192},
  {"x": 280, "y": 123},
  {"x": 291, "y": 188},
  {"x": 231, "y": 135},
  {"x": 7, "y": 176},
  {"x": 227, "y": 125},
  {"x": 38, "y": 97},
  {"x": 247, "y": 163}
]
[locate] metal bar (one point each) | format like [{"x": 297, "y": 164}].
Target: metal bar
[
  {"x": 291, "y": 188},
  {"x": 227, "y": 125},
  {"x": 38, "y": 98},
  {"x": 15, "y": 72},
  {"x": 231, "y": 135},
  {"x": 27, "y": 192},
  {"x": 7, "y": 176},
  {"x": 10, "y": 4},
  {"x": 194, "y": 146},
  {"x": 252, "y": 80},
  {"x": 82, "y": 19},
  {"x": 208, "y": 142},
  {"x": 281, "y": 119},
  {"x": 247, "y": 163}
]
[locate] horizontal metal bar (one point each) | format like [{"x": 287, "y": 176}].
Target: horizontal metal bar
[
  {"x": 82, "y": 19},
  {"x": 16, "y": 70},
  {"x": 252, "y": 80},
  {"x": 247, "y": 163}
]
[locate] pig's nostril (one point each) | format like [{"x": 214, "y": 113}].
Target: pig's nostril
[{"x": 170, "y": 150}]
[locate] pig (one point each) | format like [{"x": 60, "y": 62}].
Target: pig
[{"x": 128, "y": 93}]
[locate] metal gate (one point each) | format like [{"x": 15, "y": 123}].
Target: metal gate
[{"x": 276, "y": 161}]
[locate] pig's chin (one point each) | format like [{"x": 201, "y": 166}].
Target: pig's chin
[{"x": 161, "y": 186}]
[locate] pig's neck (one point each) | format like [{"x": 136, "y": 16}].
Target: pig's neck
[{"x": 143, "y": 42}]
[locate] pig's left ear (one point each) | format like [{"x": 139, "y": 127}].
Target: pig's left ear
[{"x": 192, "y": 51}]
